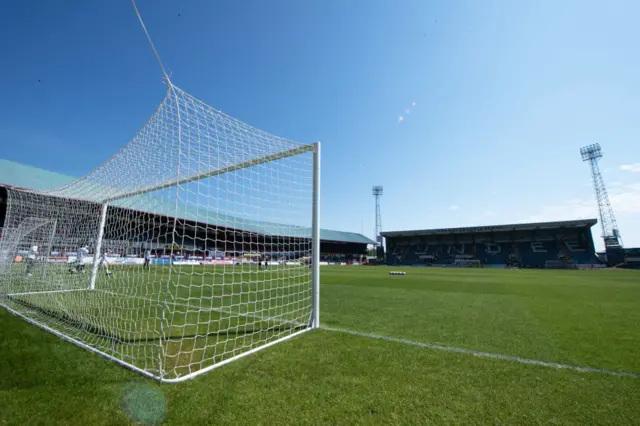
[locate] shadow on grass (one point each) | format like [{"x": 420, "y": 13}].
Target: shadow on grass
[{"x": 114, "y": 338}]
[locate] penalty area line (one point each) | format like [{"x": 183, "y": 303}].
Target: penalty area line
[{"x": 501, "y": 357}]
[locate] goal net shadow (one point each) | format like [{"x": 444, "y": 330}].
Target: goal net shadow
[{"x": 180, "y": 335}]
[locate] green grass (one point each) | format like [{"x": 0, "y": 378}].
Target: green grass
[
  {"x": 172, "y": 319},
  {"x": 587, "y": 318}
]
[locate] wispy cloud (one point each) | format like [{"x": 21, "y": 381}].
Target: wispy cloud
[
  {"x": 635, "y": 168},
  {"x": 488, "y": 213},
  {"x": 625, "y": 198},
  {"x": 453, "y": 207},
  {"x": 569, "y": 210}
]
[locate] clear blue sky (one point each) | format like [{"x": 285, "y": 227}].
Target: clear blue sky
[{"x": 505, "y": 92}]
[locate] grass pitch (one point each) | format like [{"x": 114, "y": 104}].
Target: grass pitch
[
  {"x": 169, "y": 321},
  {"x": 582, "y": 318}
]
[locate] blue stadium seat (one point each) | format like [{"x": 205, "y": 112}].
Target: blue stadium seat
[
  {"x": 547, "y": 250},
  {"x": 493, "y": 253},
  {"x": 537, "y": 253}
]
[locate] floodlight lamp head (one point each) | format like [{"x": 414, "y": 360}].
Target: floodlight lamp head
[
  {"x": 377, "y": 190},
  {"x": 591, "y": 152}
]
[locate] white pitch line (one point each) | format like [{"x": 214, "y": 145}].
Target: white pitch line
[{"x": 510, "y": 358}]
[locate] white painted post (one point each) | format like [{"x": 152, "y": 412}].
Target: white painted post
[
  {"x": 315, "y": 236},
  {"x": 96, "y": 256}
]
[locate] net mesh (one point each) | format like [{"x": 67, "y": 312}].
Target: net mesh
[{"x": 187, "y": 248}]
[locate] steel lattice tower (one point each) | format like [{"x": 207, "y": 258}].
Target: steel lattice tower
[
  {"x": 610, "y": 234},
  {"x": 377, "y": 193}
]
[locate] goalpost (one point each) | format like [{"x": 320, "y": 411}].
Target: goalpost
[{"x": 171, "y": 216}]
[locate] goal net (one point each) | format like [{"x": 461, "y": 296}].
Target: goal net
[
  {"x": 24, "y": 245},
  {"x": 187, "y": 249}
]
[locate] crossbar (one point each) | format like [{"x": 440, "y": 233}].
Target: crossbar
[{"x": 249, "y": 163}]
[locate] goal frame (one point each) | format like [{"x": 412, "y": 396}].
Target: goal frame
[{"x": 314, "y": 320}]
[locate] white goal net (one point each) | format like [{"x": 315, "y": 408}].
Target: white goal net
[{"x": 196, "y": 244}]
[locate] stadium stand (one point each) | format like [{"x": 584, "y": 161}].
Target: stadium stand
[
  {"x": 338, "y": 246},
  {"x": 632, "y": 258},
  {"x": 567, "y": 244}
]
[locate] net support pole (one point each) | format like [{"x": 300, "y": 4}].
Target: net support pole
[
  {"x": 315, "y": 235},
  {"x": 96, "y": 256}
]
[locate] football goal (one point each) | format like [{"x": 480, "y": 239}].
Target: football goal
[{"x": 195, "y": 245}]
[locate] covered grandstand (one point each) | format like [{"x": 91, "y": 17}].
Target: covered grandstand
[
  {"x": 566, "y": 244},
  {"x": 234, "y": 236}
]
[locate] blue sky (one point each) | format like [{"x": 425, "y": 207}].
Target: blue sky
[{"x": 505, "y": 93}]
